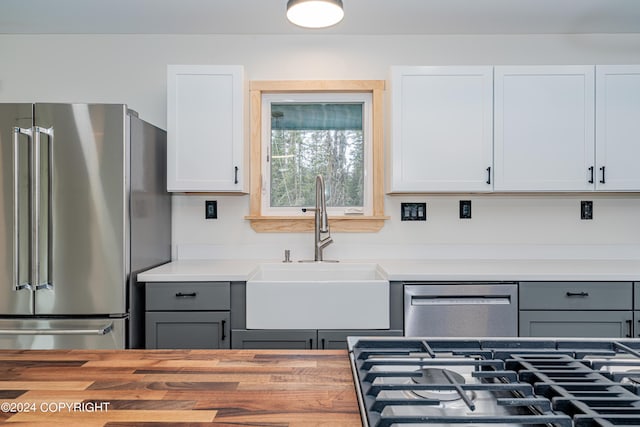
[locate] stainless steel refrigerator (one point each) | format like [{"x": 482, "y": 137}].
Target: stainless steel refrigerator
[{"x": 83, "y": 209}]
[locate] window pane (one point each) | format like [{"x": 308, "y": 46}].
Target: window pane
[{"x": 317, "y": 139}]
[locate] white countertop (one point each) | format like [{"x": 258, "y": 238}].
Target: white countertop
[{"x": 418, "y": 270}]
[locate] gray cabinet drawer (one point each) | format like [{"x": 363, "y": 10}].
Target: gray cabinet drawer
[
  {"x": 576, "y": 296},
  {"x": 196, "y": 296}
]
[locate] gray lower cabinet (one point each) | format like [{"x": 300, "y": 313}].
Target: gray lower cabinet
[
  {"x": 187, "y": 330},
  {"x": 188, "y": 315},
  {"x": 580, "y": 324},
  {"x": 337, "y": 339},
  {"x": 294, "y": 339},
  {"x": 576, "y": 309},
  {"x": 301, "y": 339}
]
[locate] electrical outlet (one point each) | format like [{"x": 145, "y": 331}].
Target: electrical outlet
[
  {"x": 211, "y": 209},
  {"x": 465, "y": 209},
  {"x": 586, "y": 209},
  {"x": 413, "y": 211}
]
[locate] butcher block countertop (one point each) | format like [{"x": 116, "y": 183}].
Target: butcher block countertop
[{"x": 275, "y": 388}]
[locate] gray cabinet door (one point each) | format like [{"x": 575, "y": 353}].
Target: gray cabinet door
[
  {"x": 187, "y": 330},
  {"x": 337, "y": 339},
  {"x": 297, "y": 339},
  {"x": 582, "y": 324},
  {"x": 636, "y": 323}
]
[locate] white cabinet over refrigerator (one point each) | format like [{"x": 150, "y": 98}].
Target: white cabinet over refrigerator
[
  {"x": 441, "y": 129},
  {"x": 205, "y": 129}
]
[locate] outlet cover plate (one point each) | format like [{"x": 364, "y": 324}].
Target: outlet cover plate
[
  {"x": 211, "y": 209},
  {"x": 586, "y": 209},
  {"x": 413, "y": 211},
  {"x": 465, "y": 209}
]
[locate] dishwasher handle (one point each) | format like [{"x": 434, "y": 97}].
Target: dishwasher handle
[{"x": 421, "y": 300}]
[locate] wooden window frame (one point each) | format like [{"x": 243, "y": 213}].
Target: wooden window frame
[{"x": 346, "y": 223}]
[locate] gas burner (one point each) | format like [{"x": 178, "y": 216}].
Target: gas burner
[
  {"x": 438, "y": 376},
  {"x": 496, "y": 381}
]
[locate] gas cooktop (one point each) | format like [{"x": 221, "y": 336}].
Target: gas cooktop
[{"x": 407, "y": 381}]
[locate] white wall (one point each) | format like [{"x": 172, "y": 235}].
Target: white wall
[{"x": 132, "y": 69}]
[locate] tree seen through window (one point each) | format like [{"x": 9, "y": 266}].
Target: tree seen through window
[{"x": 309, "y": 139}]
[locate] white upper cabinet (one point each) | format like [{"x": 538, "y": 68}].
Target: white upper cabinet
[
  {"x": 544, "y": 128},
  {"x": 205, "y": 135},
  {"x": 617, "y": 127},
  {"x": 441, "y": 129}
]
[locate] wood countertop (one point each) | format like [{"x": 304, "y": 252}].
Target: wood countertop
[{"x": 275, "y": 388}]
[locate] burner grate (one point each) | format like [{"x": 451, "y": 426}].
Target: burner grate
[
  {"x": 578, "y": 390},
  {"x": 511, "y": 381}
]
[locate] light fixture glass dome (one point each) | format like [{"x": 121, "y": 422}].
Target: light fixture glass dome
[{"x": 315, "y": 13}]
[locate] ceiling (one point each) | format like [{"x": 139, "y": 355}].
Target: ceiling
[{"x": 382, "y": 17}]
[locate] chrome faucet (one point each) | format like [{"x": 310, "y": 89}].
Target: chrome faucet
[{"x": 322, "y": 233}]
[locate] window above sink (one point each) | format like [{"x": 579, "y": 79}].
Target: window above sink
[{"x": 274, "y": 150}]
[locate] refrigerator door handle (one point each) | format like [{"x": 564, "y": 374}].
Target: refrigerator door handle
[
  {"x": 35, "y": 207},
  {"x": 102, "y": 330},
  {"x": 17, "y": 286}
]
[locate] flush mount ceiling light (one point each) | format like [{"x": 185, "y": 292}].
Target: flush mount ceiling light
[{"x": 314, "y": 13}]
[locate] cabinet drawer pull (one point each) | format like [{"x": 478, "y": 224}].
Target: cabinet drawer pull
[
  {"x": 577, "y": 294},
  {"x": 629, "y": 328},
  {"x": 591, "y": 173},
  {"x": 602, "y": 181},
  {"x": 489, "y": 175},
  {"x": 235, "y": 177},
  {"x": 189, "y": 295},
  {"x": 223, "y": 323},
  {"x": 323, "y": 344}
]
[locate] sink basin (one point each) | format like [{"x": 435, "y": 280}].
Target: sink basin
[{"x": 317, "y": 296}]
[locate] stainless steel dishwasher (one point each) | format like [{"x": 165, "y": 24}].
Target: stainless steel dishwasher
[{"x": 461, "y": 309}]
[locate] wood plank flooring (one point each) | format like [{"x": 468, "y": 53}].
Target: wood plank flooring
[{"x": 274, "y": 388}]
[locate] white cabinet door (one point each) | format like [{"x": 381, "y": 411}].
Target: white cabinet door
[
  {"x": 442, "y": 129},
  {"x": 544, "y": 128},
  {"x": 618, "y": 127},
  {"x": 205, "y": 134}
]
